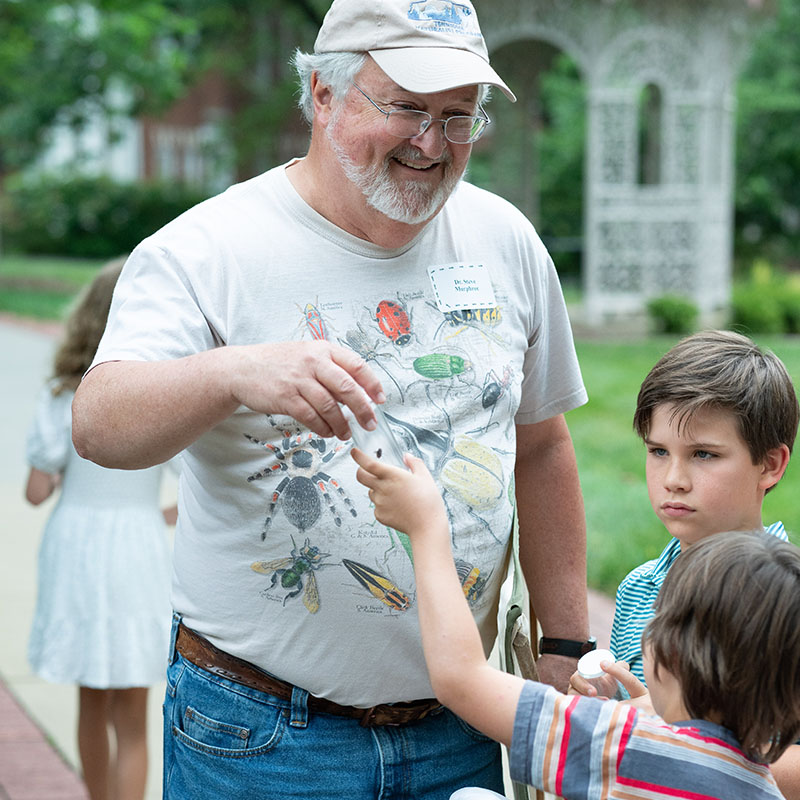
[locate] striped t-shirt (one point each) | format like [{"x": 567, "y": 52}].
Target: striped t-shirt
[
  {"x": 582, "y": 748},
  {"x": 635, "y": 598}
]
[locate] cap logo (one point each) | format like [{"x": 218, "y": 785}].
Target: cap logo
[{"x": 444, "y": 16}]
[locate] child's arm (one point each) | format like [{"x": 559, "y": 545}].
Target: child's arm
[
  {"x": 40, "y": 486},
  {"x": 409, "y": 501}
]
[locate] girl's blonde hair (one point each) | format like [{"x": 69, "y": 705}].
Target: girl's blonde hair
[{"x": 84, "y": 328}]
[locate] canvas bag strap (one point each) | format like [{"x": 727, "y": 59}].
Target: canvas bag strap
[{"x": 518, "y": 652}]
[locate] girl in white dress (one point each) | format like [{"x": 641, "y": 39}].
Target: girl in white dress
[{"x": 103, "y": 615}]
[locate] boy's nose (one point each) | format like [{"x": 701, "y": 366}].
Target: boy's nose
[{"x": 676, "y": 477}]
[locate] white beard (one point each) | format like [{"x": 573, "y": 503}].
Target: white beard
[{"x": 408, "y": 201}]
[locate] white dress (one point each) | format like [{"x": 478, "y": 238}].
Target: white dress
[{"x": 103, "y": 613}]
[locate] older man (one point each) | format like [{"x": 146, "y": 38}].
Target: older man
[{"x": 364, "y": 272}]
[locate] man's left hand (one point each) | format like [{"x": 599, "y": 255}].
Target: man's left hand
[{"x": 556, "y": 670}]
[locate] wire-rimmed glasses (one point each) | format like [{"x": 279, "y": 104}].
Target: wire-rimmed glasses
[{"x": 406, "y": 123}]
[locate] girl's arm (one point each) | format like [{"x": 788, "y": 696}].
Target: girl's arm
[
  {"x": 409, "y": 501},
  {"x": 40, "y": 486}
]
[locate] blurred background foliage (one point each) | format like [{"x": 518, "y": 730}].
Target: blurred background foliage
[{"x": 64, "y": 61}]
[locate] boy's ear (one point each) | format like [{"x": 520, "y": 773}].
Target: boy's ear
[{"x": 773, "y": 466}]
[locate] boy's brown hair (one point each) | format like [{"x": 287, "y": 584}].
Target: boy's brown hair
[
  {"x": 727, "y": 626},
  {"x": 723, "y": 369}
]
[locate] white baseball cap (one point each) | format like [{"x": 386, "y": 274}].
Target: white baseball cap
[{"x": 422, "y": 45}]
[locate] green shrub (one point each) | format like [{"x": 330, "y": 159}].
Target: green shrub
[
  {"x": 672, "y": 314},
  {"x": 87, "y": 217},
  {"x": 789, "y": 301},
  {"x": 756, "y": 308}
]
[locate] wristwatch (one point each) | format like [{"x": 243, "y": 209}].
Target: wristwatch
[{"x": 566, "y": 647}]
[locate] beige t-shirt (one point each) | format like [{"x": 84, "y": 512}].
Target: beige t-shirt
[{"x": 278, "y": 557}]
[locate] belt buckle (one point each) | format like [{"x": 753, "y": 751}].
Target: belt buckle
[{"x": 369, "y": 718}]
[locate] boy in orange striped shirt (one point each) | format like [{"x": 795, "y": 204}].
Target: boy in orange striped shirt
[{"x": 722, "y": 662}]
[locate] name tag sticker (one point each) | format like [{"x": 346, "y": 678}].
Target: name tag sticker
[{"x": 457, "y": 286}]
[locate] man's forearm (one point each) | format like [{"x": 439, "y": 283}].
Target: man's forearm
[
  {"x": 553, "y": 534},
  {"x": 131, "y": 414}
]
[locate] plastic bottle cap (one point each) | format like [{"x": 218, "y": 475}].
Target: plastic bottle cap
[{"x": 589, "y": 665}]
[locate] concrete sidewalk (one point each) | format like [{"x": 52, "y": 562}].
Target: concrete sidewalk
[{"x": 38, "y": 720}]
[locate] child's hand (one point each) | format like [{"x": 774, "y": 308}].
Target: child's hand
[
  {"x": 604, "y": 687},
  {"x": 639, "y": 696},
  {"x": 408, "y": 501}
]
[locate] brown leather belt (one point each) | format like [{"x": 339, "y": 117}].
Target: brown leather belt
[{"x": 205, "y": 655}]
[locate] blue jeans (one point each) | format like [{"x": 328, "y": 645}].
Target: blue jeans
[{"x": 225, "y": 740}]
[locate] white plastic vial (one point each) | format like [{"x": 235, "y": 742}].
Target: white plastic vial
[{"x": 590, "y": 670}]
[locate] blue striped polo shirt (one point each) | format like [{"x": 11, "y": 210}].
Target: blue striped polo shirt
[{"x": 636, "y": 596}]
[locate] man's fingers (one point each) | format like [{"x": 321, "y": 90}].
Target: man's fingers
[{"x": 361, "y": 372}]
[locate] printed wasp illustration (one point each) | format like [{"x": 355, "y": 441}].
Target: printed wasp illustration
[
  {"x": 304, "y": 487},
  {"x": 296, "y": 573},
  {"x": 477, "y": 319},
  {"x": 378, "y": 585}
]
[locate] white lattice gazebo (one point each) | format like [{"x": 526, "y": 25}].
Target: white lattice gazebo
[{"x": 658, "y": 198}]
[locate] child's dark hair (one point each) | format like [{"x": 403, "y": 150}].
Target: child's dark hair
[
  {"x": 727, "y": 626},
  {"x": 84, "y": 328},
  {"x": 722, "y": 369}
]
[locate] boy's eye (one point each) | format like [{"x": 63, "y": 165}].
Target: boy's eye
[
  {"x": 657, "y": 451},
  {"x": 704, "y": 455}
]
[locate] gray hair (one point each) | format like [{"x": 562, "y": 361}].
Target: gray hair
[{"x": 337, "y": 71}]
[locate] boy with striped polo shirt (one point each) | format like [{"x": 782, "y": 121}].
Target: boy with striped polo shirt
[
  {"x": 719, "y": 417},
  {"x": 726, "y": 694}
]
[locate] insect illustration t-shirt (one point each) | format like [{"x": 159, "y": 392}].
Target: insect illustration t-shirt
[{"x": 278, "y": 557}]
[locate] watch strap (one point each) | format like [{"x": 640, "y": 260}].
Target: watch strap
[{"x": 573, "y": 648}]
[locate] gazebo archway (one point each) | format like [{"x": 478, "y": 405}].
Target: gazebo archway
[{"x": 658, "y": 182}]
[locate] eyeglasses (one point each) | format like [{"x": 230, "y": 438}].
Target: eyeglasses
[{"x": 406, "y": 123}]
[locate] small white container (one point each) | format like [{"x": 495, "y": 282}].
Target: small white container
[
  {"x": 476, "y": 793},
  {"x": 590, "y": 670}
]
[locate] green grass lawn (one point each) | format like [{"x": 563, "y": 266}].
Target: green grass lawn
[
  {"x": 622, "y": 529},
  {"x": 42, "y": 287}
]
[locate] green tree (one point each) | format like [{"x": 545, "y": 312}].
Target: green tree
[
  {"x": 61, "y": 60},
  {"x": 768, "y": 145}
]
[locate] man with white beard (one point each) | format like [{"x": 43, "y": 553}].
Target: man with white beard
[{"x": 364, "y": 273}]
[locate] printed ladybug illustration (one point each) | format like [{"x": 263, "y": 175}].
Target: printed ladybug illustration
[{"x": 393, "y": 321}]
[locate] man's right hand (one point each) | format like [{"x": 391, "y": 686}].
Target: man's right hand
[
  {"x": 133, "y": 414},
  {"x": 306, "y": 381}
]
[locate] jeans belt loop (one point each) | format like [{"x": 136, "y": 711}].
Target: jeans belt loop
[
  {"x": 299, "y": 714},
  {"x": 173, "y": 638}
]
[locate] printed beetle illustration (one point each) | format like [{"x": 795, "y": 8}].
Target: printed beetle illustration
[
  {"x": 301, "y": 455},
  {"x": 378, "y": 585},
  {"x": 466, "y": 469},
  {"x": 293, "y": 571},
  {"x": 394, "y": 322}
]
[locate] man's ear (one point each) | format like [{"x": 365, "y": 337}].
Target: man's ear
[
  {"x": 773, "y": 466},
  {"x": 322, "y": 98}
]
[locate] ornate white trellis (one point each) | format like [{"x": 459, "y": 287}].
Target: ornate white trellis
[{"x": 673, "y": 235}]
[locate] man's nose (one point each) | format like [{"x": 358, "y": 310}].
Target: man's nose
[{"x": 432, "y": 140}]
